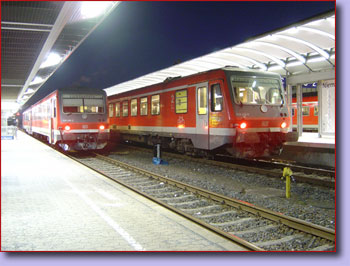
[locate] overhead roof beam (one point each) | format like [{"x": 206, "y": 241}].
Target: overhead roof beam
[
  {"x": 312, "y": 46},
  {"x": 317, "y": 31},
  {"x": 26, "y": 24},
  {"x": 289, "y": 51},
  {"x": 253, "y": 61},
  {"x": 62, "y": 19},
  {"x": 310, "y": 77},
  {"x": 24, "y": 29}
]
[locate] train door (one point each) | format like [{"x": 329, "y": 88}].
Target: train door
[
  {"x": 216, "y": 112},
  {"x": 202, "y": 117},
  {"x": 30, "y": 119},
  {"x": 52, "y": 120}
]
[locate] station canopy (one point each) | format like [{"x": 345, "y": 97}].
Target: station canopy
[
  {"x": 37, "y": 37},
  {"x": 303, "y": 52}
]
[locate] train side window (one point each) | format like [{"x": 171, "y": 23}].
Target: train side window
[
  {"x": 306, "y": 110},
  {"x": 133, "y": 107},
  {"x": 181, "y": 102},
  {"x": 293, "y": 111},
  {"x": 316, "y": 110},
  {"x": 117, "y": 109},
  {"x": 216, "y": 98},
  {"x": 125, "y": 108},
  {"x": 143, "y": 106},
  {"x": 155, "y": 105},
  {"x": 110, "y": 110},
  {"x": 202, "y": 101}
]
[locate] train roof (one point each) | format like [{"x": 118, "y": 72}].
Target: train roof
[
  {"x": 231, "y": 69},
  {"x": 81, "y": 90}
]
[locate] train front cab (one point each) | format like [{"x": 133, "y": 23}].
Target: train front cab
[
  {"x": 260, "y": 115},
  {"x": 80, "y": 122}
]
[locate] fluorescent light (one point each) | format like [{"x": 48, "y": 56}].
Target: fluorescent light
[
  {"x": 37, "y": 80},
  {"x": 90, "y": 9},
  {"x": 52, "y": 60},
  {"x": 29, "y": 91}
]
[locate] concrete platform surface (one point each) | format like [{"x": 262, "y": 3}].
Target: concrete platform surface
[
  {"x": 51, "y": 203},
  {"x": 311, "y": 150}
]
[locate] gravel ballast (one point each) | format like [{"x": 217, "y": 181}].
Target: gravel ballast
[{"x": 310, "y": 203}]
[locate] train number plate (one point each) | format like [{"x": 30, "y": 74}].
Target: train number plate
[
  {"x": 85, "y": 126},
  {"x": 265, "y": 123}
]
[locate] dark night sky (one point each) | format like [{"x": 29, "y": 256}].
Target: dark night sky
[{"x": 138, "y": 38}]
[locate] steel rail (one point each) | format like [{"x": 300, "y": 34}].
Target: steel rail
[
  {"x": 249, "y": 246},
  {"x": 298, "y": 177},
  {"x": 292, "y": 222}
]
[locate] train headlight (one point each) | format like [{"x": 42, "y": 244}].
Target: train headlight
[
  {"x": 67, "y": 128},
  {"x": 283, "y": 125},
  {"x": 243, "y": 125},
  {"x": 102, "y": 127}
]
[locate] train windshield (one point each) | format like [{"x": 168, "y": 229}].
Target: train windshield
[
  {"x": 82, "y": 103},
  {"x": 255, "y": 90}
]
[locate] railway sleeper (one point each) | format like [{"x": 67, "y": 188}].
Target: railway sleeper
[
  {"x": 161, "y": 190},
  {"x": 277, "y": 242},
  {"x": 257, "y": 230},
  {"x": 204, "y": 210},
  {"x": 174, "y": 199},
  {"x": 217, "y": 215},
  {"x": 233, "y": 223},
  {"x": 325, "y": 247},
  {"x": 144, "y": 182},
  {"x": 190, "y": 204}
]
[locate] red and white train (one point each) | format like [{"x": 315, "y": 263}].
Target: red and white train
[
  {"x": 310, "y": 113},
  {"x": 241, "y": 111},
  {"x": 74, "y": 119}
]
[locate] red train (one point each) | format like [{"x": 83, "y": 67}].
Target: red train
[
  {"x": 310, "y": 113},
  {"x": 241, "y": 111},
  {"x": 70, "y": 118}
]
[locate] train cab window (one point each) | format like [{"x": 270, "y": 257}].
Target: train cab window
[
  {"x": 216, "y": 98},
  {"x": 181, "y": 102},
  {"x": 316, "y": 110},
  {"x": 202, "y": 103},
  {"x": 143, "y": 106},
  {"x": 306, "y": 110},
  {"x": 155, "y": 105},
  {"x": 133, "y": 107},
  {"x": 72, "y": 105},
  {"x": 110, "y": 110},
  {"x": 83, "y": 103},
  {"x": 117, "y": 109},
  {"x": 93, "y": 105},
  {"x": 125, "y": 108},
  {"x": 254, "y": 90}
]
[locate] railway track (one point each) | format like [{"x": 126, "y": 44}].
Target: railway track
[
  {"x": 301, "y": 174},
  {"x": 253, "y": 227}
]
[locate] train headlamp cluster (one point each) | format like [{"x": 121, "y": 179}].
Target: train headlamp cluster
[
  {"x": 67, "y": 128},
  {"x": 243, "y": 125},
  {"x": 283, "y": 125}
]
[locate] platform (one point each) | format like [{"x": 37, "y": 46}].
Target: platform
[
  {"x": 312, "y": 150},
  {"x": 51, "y": 203}
]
